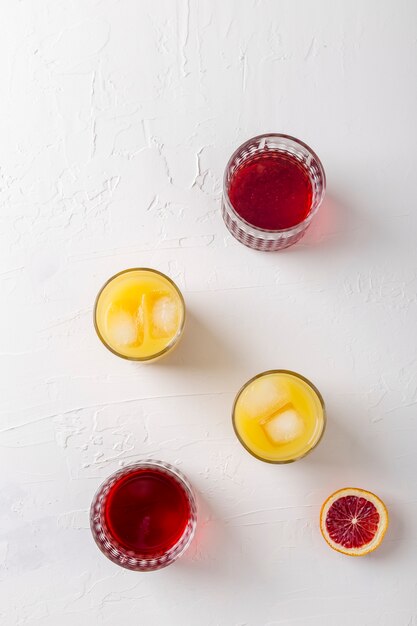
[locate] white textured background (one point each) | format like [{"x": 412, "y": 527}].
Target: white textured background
[{"x": 117, "y": 118}]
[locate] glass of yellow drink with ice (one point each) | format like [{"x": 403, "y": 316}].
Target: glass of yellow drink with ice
[
  {"x": 139, "y": 314},
  {"x": 279, "y": 416}
]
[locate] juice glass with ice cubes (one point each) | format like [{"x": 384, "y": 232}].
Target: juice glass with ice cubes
[
  {"x": 139, "y": 314},
  {"x": 279, "y": 416}
]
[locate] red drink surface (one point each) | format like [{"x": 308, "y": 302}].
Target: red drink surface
[
  {"x": 271, "y": 190},
  {"x": 147, "y": 511}
]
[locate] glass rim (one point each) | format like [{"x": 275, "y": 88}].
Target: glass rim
[
  {"x": 296, "y": 375},
  {"x": 311, "y": 213},
  {"x": 144, "y": 562},
  {"x": 173, "y": 341}
]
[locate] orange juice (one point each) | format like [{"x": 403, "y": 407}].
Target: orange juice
[
  {"x": 139, "y": 314},
  {"x": 279, "y": 416}
]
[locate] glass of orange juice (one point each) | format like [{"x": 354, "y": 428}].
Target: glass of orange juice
[
  {"x": 279, "y": 416},
  {"x": 139, "y": 314}
]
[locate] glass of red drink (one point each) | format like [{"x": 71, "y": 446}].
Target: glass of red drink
[
  {"x": 273, "y": 186},
  {"x": 143, "y": 517}
]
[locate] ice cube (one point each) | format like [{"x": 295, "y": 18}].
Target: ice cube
[
  {"x": 123, "y": 328},
  {"x": 284, "y": 426},
  {"x": 263, "y": 397},
  {"x": 164, "y": 320}
]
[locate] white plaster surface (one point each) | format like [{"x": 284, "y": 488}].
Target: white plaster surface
[{"x": 117, "y": 119}]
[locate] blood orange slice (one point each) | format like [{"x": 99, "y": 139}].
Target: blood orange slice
[{"x": 353, "y": 521}]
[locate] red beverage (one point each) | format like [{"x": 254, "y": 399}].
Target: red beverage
[
  {"x": 273, "y": 186},
  {"x": 143, "y": 517},
  {"x": 271, "y": 190},
  {"x": 147, "y": 511}
]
